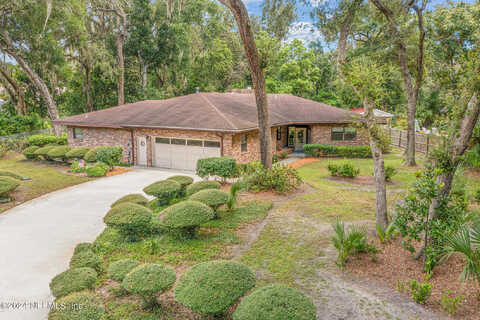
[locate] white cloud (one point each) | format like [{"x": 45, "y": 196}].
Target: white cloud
[{"x": 304, "y": 31}]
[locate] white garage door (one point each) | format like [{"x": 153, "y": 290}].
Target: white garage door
[{"x": 183, "y": 153}]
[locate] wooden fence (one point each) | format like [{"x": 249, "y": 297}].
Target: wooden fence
[{"x": 424, "y": 143}]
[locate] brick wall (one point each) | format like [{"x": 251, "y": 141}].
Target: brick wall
[
  {"x": 94, "y": 137},
  {"x": 322, "y": 134}
]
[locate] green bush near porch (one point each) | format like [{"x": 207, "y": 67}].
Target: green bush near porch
[
  {"x": 221, "y": 167},
  {"x": 325, "y": 150}
]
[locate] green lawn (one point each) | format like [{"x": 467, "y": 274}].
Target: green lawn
[{"x": 45, "y": 179}]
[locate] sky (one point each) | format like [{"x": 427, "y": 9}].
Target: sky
[{"x": 302, "y": 28}]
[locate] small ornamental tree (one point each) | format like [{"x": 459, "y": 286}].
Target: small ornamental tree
[
  {"x": 73, "y": 280},
  {"x": 184, "y": 182},
  {"x": 82, "y": 305},
  {"x": 211, "y": 197},
  {"x": 77, "y": 153},
  {"x": 185, "y": 217},
  {"x": 132, "y": 198},
  {"x": 202, "y": 185},
  {"x": 210, "y": 288},
  {"x": 119, "y": 269},
  {"x": 276, "y": 302},
  {"x": 29, "y": 152},
  {"x": 58, "y": 152},
  {"x": 110, "y": 155},
  {"x": 7, "y": 185},
  {"x": 148, "y": 281},
  {"x": 91, "y": 155},
  {"x": 130, "y": 219},
  {"x": 164, "y": 191},
  {"x": 217, "y": 167}
]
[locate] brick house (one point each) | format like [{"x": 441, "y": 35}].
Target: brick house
[{"x": 176, "y": 132}]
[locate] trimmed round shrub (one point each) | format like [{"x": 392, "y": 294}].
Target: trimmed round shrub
[
  {"x": 202, "y": 185},
  {"x": 29, "y": 152},
  {"x": 99, "y": 169},
  {"x": 77, "y": 153},
  {"x": 164, "y": 191},
  {"x": 91, "y": 155},
  {"x": 83, "y": 246},
  {"x": 211, "y": 287},
  {"x": 82, "y": 305},
  {"x": 149, "y": 280},
  {"x": 119, "y": 269},
  {"x": 184, "y": 182},
  {"x": 11, "y": 175},
  {"x": 276, "y": 302},
  {"x": 186, "y": 216},
  {"x": 43, "y": 151},
  {"x": 58, "y": 152},
  {"x": 132, "y": 198},
  {"x": 211, "y": 197},
  {"x": 85, "y": 258},
  {"x": 7, "y": 185},
  {"x": 73, "y": 280},
  {"x": 130, "y": 219},
  {"x": 42, "y": 140}
]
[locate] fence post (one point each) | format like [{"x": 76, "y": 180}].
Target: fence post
[{"x": 400, "y": 139}]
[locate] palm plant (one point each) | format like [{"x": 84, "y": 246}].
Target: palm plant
[
  {"x": 466, "y": 242},
  {"x": 233, "y": 195},
  {"x": 348, "y": 242}
]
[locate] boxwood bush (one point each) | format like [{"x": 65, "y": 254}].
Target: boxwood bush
[
  {"x": 7, "y": 185},
  {"x": 326, "y": 150},
  {"x": 202, "y": 185},
  {"x": 119, "y": 269},
  {"x": 41, "y": 140},
  {"x": 149, "y": 280},
  {"x": 185, "y": 217},
  {"x": 343, "y": 169},
  {"x": 221, "y": 167},
  {"x": 59, "y": 152},
  {"x": 99, "y": 169},
  {"x": 276, "y": 302},
  {"x": 164, "y": 191},
  {"x": 43, "y": 152},
  {"x": 91, "y": 155},
  {"x": 10, "y": 174},
  {"x": 77, "y": 152},
  {"x": 211, "y": 287},
  {"x": 130, "y": 219},
  {"x": 29, "y": 152},
  {"x": 110, "y": 155},
  {"x": 85, "y": 258},
  {"x": 73, "y": 280},
  {"x": 132, "y": 198},
  {"x": 83, "y": 246},
  {"x": 213, "y": 198},
  {"x": 82, "y": 305},
  {"x": 184, "y": 182}
]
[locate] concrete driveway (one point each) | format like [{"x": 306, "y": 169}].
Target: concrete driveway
[{"x": 37, "y": 238}]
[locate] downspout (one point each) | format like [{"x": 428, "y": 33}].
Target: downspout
[
  {"x": 133, "y": 147},
  {"x": 221, "y": 143}
]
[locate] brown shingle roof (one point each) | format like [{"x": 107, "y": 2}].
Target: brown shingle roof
[{"x": 225, "y": 112}]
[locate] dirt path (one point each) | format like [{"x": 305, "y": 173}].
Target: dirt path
[{"x": 295, "y": 248}]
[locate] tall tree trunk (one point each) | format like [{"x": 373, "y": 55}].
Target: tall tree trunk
[
  {"x": 456, "y": 149},
  {"x": 88, "y": 86},
  {"x": 246, "y": 33},
  {"x": 122, "y": 25},
  {"x": 143, "y": 72},
  {"x": 42, "y": 88},
  {"x": 18, "y": 97}
]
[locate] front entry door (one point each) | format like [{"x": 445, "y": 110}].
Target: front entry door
[
  {"x": 142, "y": 151},
  {"x": 300, "y": 138}
]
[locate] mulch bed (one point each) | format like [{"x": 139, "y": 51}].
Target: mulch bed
[
  {"x": 360, "y": 180},
  {"x": 117, "y": 171},
  {"x": 395, "y": 264},
  {"x": 302, "y": 162}
]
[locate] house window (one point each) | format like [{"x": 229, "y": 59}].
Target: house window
[
  {"x": 244, "y": 143},
  {"x": 279, "y": 134},
  {"x": 343, "y": 134},
  {"x": 77, "y": 133}
]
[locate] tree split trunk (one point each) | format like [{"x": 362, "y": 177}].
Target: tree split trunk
[
  {"x": 246, "y": 33},
  {"x": 16, "y": 94}
]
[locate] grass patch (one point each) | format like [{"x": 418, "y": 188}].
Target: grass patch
[{"x": 45, "y": 179}]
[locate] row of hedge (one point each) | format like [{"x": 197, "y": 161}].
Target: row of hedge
[
  {"x": 326, "y": 150},
  {"x": 110, "y": 155}
]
